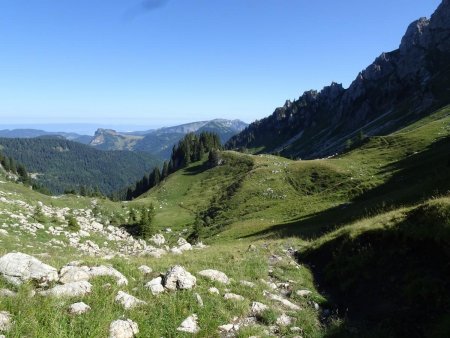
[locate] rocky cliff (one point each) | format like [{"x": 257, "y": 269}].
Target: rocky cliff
[{"x": 397, "y": 88}]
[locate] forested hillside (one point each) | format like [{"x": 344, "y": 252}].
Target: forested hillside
[{"x": 62, "y": 165}]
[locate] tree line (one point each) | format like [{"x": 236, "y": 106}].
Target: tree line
[{"x": 188, "y": 150}]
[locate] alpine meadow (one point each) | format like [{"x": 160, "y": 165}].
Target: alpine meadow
[{"x": 328, "y": 218}]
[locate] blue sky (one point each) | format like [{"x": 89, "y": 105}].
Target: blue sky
[{"x": 112, "y": 62}]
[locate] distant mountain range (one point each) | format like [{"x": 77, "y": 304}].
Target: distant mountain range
[
  {"x": 158, "y": 142},
  {"x": 398, "y": 88}
]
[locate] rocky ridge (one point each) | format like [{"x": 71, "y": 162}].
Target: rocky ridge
[{"x": 397, "y": 88}]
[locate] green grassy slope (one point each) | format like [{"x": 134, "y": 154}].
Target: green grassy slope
[{"x": 371, "y": 230}]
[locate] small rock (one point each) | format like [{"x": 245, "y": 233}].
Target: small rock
[
  {"x": 79, "y": 308},
  {"x": 189, "y": 325},
  {"x": 258, "y": 308},
  {"x": 229, "y": 328},
  {"x": 128, "y": 301},
  {"x": 155, "y": 286},
  {"x": 123, "y": 329},
  {"x": 233, "y": 296},
  {"x": 144, "y": 269},
  {"x": 214, "y": 291},
  {"x": 283, "y": 301},
  {"x": 75, "y": 289},
  {"x": 177, "y": 278},
  {"x": 102, "y": 270},
  {"x": 199, "y": 299},
  {"x": 5, "y": 321},
  {"x": 303, "y": 293},
  {"x": 215, "y": 275},
  {"x": 284, "y": 320},
  {"x": 246, "y": 283},
  {"x": 7, "y": 293},
  {"x": 158, "y": 239}
]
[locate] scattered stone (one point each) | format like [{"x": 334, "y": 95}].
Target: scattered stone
[
  {"x": 123, "y": 329},
  {"x": 183, "y": 245},
  {"x": 284, "y": 320},
  {"x": 177, "y": 278},
  {"x": 70, "y": 274},
  {"x": 102, "y": 270},
  {"x": 128, "y": 301},
  {"x": 79, "y": 308},
  {"x": 3, "y": 232},
  {"x": 199, "y": 299},
  {"x": 158, "y": 239},
  {"x": 246, "y": 283},
  {"x": 258, "y": 308},
  {"x": 144, "y": 269},
  {"x": 229, "y": 328},
  {"x": 155, "y": 286},
  {"x": 17, "y": 268},
  {"x": 296, "y": 329},
  {"x": 214, "y": 291},
  {"x": 303, "y": 293},
  {"x": 75, "y": 289},
  {"x": 5, "y": 321},
  {"x": 189, "y": 325},
  {"x": 233, "y": 296},
  {"x": 7, "y": 293},
  {"x": 215, "y": 275},
  {"x": 283, "y": 301},
  {"x": 271, "y": 285}
]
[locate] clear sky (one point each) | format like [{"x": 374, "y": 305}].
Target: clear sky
[{"x": 159, "y": 62}]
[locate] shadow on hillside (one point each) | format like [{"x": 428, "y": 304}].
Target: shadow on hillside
[
  {"x": 195, "y": 170},
  {"x": 416, "y": 178},
  {"x": 390, "y": 282}
]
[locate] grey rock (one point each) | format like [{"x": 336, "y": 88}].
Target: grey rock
[
  {"x": 75, "y": 289},
  {"x": 155, "y": 286},
  {"x": 189, "y": 325},
  {"x": 128, "y": 301},
  {"x": 123, "y": 329},
  {"x": 108, "y": 271},
  {"x": 70, "y": 274},
  {"x": 144, "y": 269},
  {"x": 177, "y": 278},
  {"x": 79, "y": 308},
  {"x": 233, "y": 296},
  {"x": 17, "y": 268},
  {"x": 5, "y": 321},
  {"x": 215, "y": 275},
  {"x": 258, "y": 308}
]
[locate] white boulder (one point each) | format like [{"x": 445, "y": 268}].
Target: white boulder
[
  {"x": 189, "y": 325},
  {"x": 177, "y": 278},
  {"x": 75, "y": 289},
  {"x": 215, "y": 275},
  {"x": 128, "y": 301},
  {"x": 79, "y": 308},
  {"x": 123, "y": 329},
  {"x": 155, "y": 286},
  {"x": 17, "y": 268}
]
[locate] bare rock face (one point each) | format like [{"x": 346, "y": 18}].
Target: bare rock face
[
  {"x": 128, "y": 301},
  {"x": 75, "y": 289},
  {"x": 189, "y": 325},
  {"x": 177, "y": 278},
  {"x": 123, "y": 329},
  {"x": 215, "y": 275},
  {"x": 5, "y": 321},
  {"x": 17, "y": 268},
  {"x": 79, "y": 308}
]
